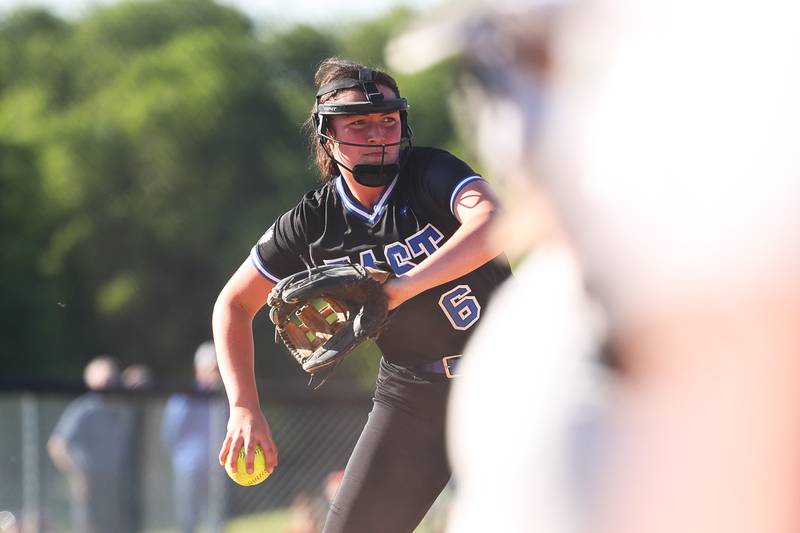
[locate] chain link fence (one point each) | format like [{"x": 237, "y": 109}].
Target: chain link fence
[{"x": 315, "y": 434}]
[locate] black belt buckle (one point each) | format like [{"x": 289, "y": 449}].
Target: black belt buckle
[{"x": 449, "y": 363}]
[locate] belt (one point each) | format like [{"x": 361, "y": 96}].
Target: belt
[{"x": 447, "y": 365}]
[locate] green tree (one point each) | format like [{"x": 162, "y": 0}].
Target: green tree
[
  {"x": 144, "y": 148},
  {"x": 31, "y": 309}
]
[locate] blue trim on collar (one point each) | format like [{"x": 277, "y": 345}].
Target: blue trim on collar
[
  {"x": 255, "y": 258},
  {"x": 457, "y": 189},
  {"x": 354, "y": 207}
]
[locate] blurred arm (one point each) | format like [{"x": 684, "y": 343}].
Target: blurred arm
[{"x": 59, "y": 452}]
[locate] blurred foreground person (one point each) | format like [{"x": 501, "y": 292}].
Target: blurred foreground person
[
  {"x": 526, "y": 418},
  {"x": 675, "y": 149},
  {"x": 663, "y": 134},
  {"x": 190, "y": 429},
  {"x": 91, "y": 445}
]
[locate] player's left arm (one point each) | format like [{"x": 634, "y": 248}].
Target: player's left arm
[{"x": 470, "y": 247}]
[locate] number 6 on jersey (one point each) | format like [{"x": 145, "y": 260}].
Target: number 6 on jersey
[{"x": 460, "y": 308}]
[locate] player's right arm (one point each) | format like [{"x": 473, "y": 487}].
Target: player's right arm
[{"x": 232, "y": 321}]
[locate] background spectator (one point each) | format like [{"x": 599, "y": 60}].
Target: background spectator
[
  {"x": 192, "y": 426},
  {"x": 137, "y": 377},
  {"x": 90, "y": 446}
]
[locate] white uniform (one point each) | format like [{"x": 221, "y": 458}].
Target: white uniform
[
  {"x": 527, "y": 417},
  {"x": 669, "y": 147}
]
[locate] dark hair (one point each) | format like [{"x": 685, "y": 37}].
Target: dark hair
[{"x": 335, "y": 68}]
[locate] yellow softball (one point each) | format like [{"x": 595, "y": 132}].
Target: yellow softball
[{"x": 259, "y": 469}]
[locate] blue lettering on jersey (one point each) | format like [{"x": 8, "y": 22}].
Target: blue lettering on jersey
[
  {"x": 367, "y": 258},
  {"x": 398, "y": 258},
  {"x": 398, "y": 255},
  {"x": 425, "y": 240}
]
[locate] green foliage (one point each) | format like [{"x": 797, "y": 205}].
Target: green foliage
[
  {"x": 143, "y": 149},
  {"x": 34, "y": 330},
  {"x": 31, "y": 47}
]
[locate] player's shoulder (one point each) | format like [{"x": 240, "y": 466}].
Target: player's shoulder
[
  {"x": 317, "y": 196},
  {"x": 83, "y": 405},
  {"x": 310, "y": 204},
  {"x": 437, "y": 173},
  {"x": 176, "y": 400}
]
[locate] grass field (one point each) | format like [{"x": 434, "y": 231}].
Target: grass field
[
  {"x": 273, "y": 521},
  {"x": 279, "y": 522},
  {"x": 269, "y": 522}
]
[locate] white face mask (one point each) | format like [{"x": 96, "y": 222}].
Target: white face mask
[{"x": 505, "y": 119}]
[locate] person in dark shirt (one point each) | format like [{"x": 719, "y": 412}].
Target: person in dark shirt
[{"x": 418, "y": 212}]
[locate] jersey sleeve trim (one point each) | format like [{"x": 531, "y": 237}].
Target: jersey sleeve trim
[
  {"x": 457, "y": 189},
  {"x": 255, "y": 258}
]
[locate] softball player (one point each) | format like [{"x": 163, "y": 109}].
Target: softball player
[{"x": 420, "y": 213}]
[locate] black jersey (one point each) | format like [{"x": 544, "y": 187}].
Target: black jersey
[{"x": 412, "y": 219}]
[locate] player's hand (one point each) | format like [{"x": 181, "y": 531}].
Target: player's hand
[{"x": 248, "y": 428}]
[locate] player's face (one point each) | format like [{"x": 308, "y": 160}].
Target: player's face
[{"x": 373, "y": 129}]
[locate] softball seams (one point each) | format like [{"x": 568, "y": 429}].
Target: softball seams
[
  {"x": 242, "y": 477},
  {"x": 260, "y": 476}
]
